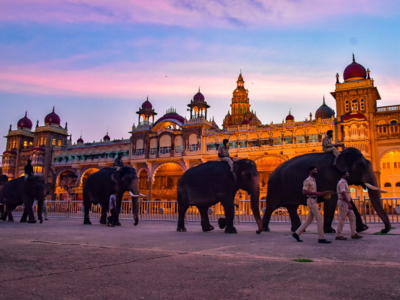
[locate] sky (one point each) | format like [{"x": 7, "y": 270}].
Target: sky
[{"x": 97, "y": 61}]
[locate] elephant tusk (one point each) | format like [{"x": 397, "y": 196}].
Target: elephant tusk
[
  {"x": 142, "y": 195},
  {"x": 133, "y": 195},
  {"x": 374, "y": 188}
]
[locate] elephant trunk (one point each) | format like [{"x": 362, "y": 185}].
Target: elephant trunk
[
  {"x": 375, "y": 199},
  {"x": 135, "y": 194},
  {"x": 255, "y": 202}
]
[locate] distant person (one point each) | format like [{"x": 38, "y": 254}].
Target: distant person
[
  {"x": 113, "y": 209},
  {"x": 310, "y": 190},
  {"x": 28, "y": 169},
  {"x": 118, "y": 163},
  {"x": 345, "y": 209}
]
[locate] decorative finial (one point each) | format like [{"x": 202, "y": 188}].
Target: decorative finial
[
  {"x": 199, "y": 89},
  {"x": 354, "y": 59},
  {"x": 54, "y": 108},
  {"x": 323, "y": 102},
  {"x": 147, "y": 98},
  {"x": 26, "y": 114},
  {"x": 10, "y": 127},
  {"x": 368, "y": 74},
  {"x": 290, "y": 111},
  {"x": 37, "y": 123},
  {"x": 337, "y": 77},
  {"x": 66, "y": 125}
]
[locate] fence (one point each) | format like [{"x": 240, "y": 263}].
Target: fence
[{"x": 168, "y": 211}]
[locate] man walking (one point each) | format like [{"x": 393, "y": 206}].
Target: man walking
[
  {"x": 310, "y": 190},
  {"x": 345, "y": 209},
  {"x": 327, "y": 145}
]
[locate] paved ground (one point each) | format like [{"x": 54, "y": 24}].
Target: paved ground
[{"x": 63, "y": 259}]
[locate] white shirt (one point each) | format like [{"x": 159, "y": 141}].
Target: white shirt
[{"x": 113, "y": 202}]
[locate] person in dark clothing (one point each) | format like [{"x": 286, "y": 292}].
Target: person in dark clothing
[
  {"x": 28, "y": 169},
  {"x": 118, "y": 163},
  {"x": 113, "y": 209}
]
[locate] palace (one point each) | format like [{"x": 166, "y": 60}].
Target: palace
[{"x": 162, "y": 150}]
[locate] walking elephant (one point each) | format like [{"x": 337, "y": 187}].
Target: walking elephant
[
  {"x": 212, "y": 182},
  {"x": 286, "y": 181},
  {"x": 23, "y": 191},
  {"x": 3, "y": 180},
  {"x": 100, "y": 185}
]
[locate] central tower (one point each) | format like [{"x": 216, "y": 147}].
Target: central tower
[{"x": 240, "y": 107}]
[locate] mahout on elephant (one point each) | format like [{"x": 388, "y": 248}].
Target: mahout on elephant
[
  {"x": 286, "y": 181},
  {"x": 23, "y": 191},
  {"x": 100, "y": 185},
  {"x": 3, "y": 180},
  {"x": 212, "y": 182}
]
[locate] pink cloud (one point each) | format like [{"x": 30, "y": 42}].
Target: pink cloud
[{"x": 190, "y": 13}]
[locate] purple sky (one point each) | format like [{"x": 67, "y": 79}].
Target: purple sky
[{"x": 97, "y": 61}]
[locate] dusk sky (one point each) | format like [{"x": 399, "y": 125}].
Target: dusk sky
[{"x": 96, "y": 61}]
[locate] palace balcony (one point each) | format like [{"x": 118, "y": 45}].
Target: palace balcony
[{"x": 388, "y": 108}]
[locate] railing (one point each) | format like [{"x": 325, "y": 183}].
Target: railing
[
  {"x": 388, "y": 108},
  {"x": 168, "y": 211}
]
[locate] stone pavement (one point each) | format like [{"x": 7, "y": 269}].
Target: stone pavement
[{"x": 64, "y": 259}]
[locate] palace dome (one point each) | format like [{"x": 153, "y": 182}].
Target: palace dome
[
  {"x": 245, "y": 121},
  {"x": 52, "y": 118},
  {"x": 80, "y": 141},
  {"x": 147, "y": 104},
  {"x": 172, "y": 115},
  {"x": 354, "y": 71},
  {"x": 289, "y": 117},
  {"x": 24, "y": 123},
  {"x": 106, "y": 137},
  {"x": 199, "y": 97},
  {"x": 324, "y": 111}
]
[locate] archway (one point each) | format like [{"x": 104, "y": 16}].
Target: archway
[
  {"x": 265, "y": 166},
  {"x": 165, "y": 181},
  {"x": 143, "y": 181},
  {"x": 66, "y": 183},
  {"x": 86, "y": 174},
  {"x": 389, "y": 165}
]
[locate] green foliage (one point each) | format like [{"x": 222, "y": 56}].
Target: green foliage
[{"x": 302, "y": 260}]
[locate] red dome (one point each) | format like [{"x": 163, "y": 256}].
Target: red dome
[
  {"x": 198, "y": 97},
  {"x": 147, "y": 104},
  {"x": 289, "y": 117},
  {"x": 245, "y": 121},
  {"x": 24, "y": 123},
  {"x": 106, "y": 137},
  {"x": 171, "y": 115},
  {"x": 80, "y": 141},
  {"x": 52, "y": 118},
  {"x": 353, "y": 116},
  {"x": 354, "y": 71}
]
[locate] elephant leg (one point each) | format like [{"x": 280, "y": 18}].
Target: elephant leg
[
  {"x": 3, "y": 213},
  {"x": 116, "y": 221},
  {"x": 24, "y": 216},
  {"x": 8, "y": 213},
  {"x": 205, "y": 222},
  {"x": 329, "y": 214},
  {"x": 360, "y": 226},
  {"x": 29, "y": 210},
  {"x": 229, "y": 208},
  {"x": 103, "y": 217},
  {"x": 86, "y": 219},
  {"x": 182, "y": 208},
  {"x": 267, "y": 217},
  {"x": 294, "y": 217}
]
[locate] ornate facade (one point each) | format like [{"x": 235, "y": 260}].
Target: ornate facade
[{"x": 162, "y": 150}]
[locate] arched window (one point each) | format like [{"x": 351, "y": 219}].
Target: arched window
[
  {"x": 393, "y": 122},
  {"x": 387, "y": 184},
  {"x": 354, "y": 105},
  {"x": 397, "y": 184}
]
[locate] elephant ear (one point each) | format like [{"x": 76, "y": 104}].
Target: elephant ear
[
  {"x": 347, "y": 158},
  {"x": 341, "y": 162}
]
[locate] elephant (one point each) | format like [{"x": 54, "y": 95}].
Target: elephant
[
  {"x": 286, "y": 181},
  {"x": 23, "y": 191},
  {"x": 3, "y": 180},
  {"x": 100, "y": 185},
  {"x": 212, "y": 182}
]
